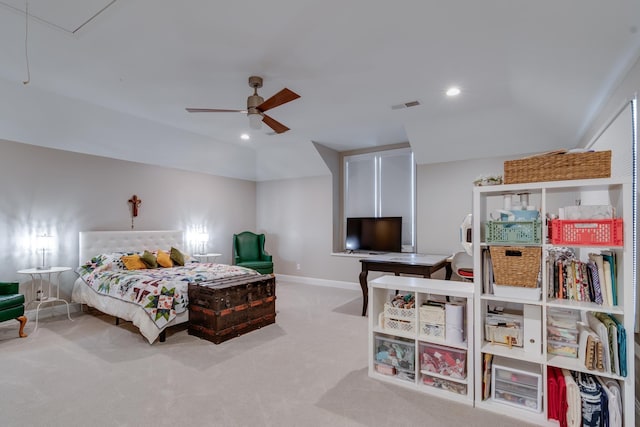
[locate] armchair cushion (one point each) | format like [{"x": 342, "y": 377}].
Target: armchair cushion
[{"x": 10, "y": 301}]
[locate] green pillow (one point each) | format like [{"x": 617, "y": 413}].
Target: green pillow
[
  {"x": 176, "y": 256},
  {"x": 149, "y": 259}
]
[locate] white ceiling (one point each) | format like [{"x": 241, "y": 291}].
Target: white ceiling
[{"x": 533, "y": 75}]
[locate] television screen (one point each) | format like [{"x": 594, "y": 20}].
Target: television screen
[{"x": 382, "y": 234}]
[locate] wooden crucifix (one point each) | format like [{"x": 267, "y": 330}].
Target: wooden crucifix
[{"x": 135, "y": 203}]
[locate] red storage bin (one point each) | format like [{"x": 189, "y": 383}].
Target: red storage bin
[{"x": 598, "y": 232}]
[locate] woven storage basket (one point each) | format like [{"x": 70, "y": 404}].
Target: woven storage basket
[
  {"x": 558, "y": 167},
  {"x": 516, "y": 265}
]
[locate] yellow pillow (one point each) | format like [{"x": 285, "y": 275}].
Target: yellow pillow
[
  {"x": 164, "y": 260},
  {"x": 133, "y": 262}
]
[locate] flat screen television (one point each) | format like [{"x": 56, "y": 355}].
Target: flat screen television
[{"x": 382, "y": 234}]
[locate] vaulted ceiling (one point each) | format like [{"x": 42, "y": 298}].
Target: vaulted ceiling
[{"x": 113, "y": 77}]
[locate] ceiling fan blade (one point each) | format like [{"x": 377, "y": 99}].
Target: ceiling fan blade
[
  {"x": 213, "y": 110},
  {"x": 274, "y": 124},
  {"x": 282, "y": 97}
]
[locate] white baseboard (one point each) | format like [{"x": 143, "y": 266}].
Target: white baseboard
[
  {"x": 318, "y": 282},
  {"x": 52, "y": 310}
]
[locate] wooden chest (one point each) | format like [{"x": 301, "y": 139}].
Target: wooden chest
[{"x": 226, "y": 308}]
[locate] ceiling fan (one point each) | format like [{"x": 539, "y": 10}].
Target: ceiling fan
[{"x": 256, "y": 106}]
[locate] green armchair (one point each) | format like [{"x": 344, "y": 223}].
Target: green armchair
[
  {"x": 248, "y": 251},
  {"x": 12, "y": 305}
]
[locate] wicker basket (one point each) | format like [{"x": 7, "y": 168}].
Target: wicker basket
[
  {"x": 558, "y": 167},
  {"x": 516, "y": 265}
]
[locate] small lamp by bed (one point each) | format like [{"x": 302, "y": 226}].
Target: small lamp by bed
[
  {"x": 44, "y": 243},
  {"x": 202, "y": 238}
]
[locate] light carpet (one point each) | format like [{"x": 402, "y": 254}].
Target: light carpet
[{"x": 308, "y": 369}]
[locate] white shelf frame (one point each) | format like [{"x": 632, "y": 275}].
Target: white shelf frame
[
  {"x": 544, "y": 190},
  {"x": 417, "y": 285}
]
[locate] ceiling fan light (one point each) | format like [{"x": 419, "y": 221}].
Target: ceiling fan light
[{"x": 255, "y": 121}]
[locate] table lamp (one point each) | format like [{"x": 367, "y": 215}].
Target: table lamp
[
  {"x": 202, "y": 238},
  {"x": 44, "y": 243}
]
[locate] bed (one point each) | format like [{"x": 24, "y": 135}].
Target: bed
[{"x": 152, "y": 299}]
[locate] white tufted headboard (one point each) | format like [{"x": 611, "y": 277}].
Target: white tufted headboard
[{"x": 97, "y": 242}]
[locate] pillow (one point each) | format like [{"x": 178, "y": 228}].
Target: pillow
[
  {"x": 133, "y": 262},
  {"x": 176, "y": 256},
  {"x": 164, "y": 259},
  {"x": 149, "y": 259}
]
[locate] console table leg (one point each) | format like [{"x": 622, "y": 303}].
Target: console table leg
[{"x": 365, "y": 291}]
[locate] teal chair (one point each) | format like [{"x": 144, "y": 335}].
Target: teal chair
[
  {"x": 12, "y": 305},
  {"x": 248, "y": 251}
]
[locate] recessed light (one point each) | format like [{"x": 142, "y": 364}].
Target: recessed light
[
  {"x": 244, "y": 136},
  {"x": 453, "y": 91}
]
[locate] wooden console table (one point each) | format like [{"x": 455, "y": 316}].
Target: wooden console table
[{"x": 417, "y": 264}]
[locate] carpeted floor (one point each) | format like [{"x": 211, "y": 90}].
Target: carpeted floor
[{"x": 308, "y": 369}]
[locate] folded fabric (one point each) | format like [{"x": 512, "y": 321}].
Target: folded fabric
[
  {"x": 562, "y": 393},
  {"x": 553, "y": 399},
  {"x": 622, "y": 346},
  {"x": 603, "y": 333},
  {"x": 612, "y": 339},
  {"x": 612, "y": 388},
  {"x": 574, "y": 401},
  {"x": 594, "y": 400},
  {"x": 590, "y": 347}
]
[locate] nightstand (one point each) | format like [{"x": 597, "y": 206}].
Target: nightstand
[{"x": 50, "y": 275}]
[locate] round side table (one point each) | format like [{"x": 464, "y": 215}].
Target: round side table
[{"x": 52, "y": 276}]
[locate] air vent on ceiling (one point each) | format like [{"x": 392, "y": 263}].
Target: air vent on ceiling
[{"x": 405, "y": 105}]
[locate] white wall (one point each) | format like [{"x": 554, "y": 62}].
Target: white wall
[
  {"x": 444, "y": 193},
  {"x": 297, "y": 216},
  {"x": 62, "y": 193}
]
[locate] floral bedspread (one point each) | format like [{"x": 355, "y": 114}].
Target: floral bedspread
[{"x": 161, "y": 292}]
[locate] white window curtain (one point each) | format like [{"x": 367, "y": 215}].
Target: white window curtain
[{"x": 380, "y": 184}]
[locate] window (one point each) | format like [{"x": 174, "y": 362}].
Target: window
[{"x": 382, "y": 183}]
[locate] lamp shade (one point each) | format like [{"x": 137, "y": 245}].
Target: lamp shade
[
  {"x": 44, "y": 243},
  {"x": 255, "y": 121}
]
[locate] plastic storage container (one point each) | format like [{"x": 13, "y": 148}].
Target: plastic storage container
[
  {"x": 518, "y": 232},
  {"x": 442, "y": 360},
  {"x": 517, "y": 383},
  {"x": 599, "y": 232},
  {"x": 444, "y": 384},
  {"x": 395, "y": 353}
]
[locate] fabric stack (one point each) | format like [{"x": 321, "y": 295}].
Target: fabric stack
[
  {"x": 603, "y": 343},
  {"x": 594, "y": 281},
  {"x": 562, "y": 332}
]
